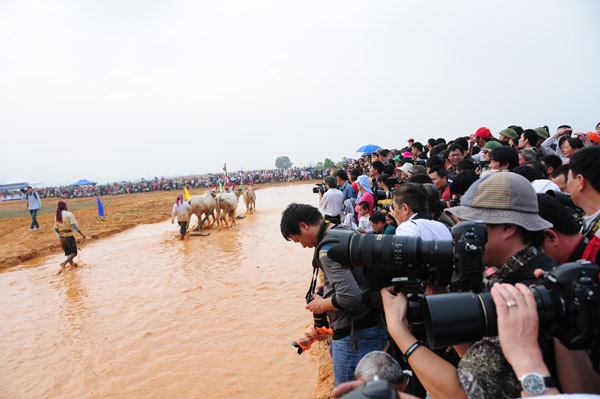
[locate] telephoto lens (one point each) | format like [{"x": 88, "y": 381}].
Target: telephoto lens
[{"x": 566, "y": 304}]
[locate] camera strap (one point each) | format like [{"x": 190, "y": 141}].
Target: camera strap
[{"x": 313, "y": 282}]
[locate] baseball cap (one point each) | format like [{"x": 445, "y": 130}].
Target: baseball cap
[
  {"x": 501, "y": 197},
  {"x": 483, "y": 132},
  {"x": 593, "y": 137},
  {"x": 407, "y": 154},
  {"x": 411, "y": 139},
  {"x": 541, "y": 132},
  {"x": 363, "y": 181},
  {"x": 509, "y": 133}
]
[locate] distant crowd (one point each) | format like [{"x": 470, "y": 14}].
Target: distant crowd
[{"x": 231, "y": 179}]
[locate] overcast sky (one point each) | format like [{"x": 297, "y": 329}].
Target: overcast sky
[{"x": 116, "y": 89}]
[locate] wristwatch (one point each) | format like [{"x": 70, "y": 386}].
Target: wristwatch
[{"x": 536, "y": 384}]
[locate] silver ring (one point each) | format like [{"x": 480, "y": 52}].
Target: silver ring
[{"x": 510, "y": 304}]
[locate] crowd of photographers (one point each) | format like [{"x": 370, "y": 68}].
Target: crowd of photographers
[{"x": 441, "y": 243}]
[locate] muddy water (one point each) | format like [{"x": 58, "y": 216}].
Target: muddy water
[{"x": 149, "y": 316}]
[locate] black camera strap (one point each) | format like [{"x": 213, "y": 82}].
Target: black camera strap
[{"x": 313, "y": 282}]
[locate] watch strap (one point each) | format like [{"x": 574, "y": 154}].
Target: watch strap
[{"x": 549, "y": 382}]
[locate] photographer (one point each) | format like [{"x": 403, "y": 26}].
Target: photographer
[
  {"x": 331, "y": 200},
  {"x": 357, "y": 327},
  {"x": 507, "y": 204}
]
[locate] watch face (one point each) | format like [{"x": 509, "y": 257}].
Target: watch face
[{"x": 533, "y": 384}]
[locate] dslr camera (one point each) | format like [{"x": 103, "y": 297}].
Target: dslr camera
[
  {"x": 568, "y": 306},
  {"x": 319, "y": 188},
  {"x": 409, "y": 262}
]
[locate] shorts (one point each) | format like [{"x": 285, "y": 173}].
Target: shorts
[
  {"x": 182, "y": 227},
  {"x": 69, "y": 245}
]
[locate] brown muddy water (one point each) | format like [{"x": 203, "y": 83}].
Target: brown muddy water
[{"x": 150, "y": 316}]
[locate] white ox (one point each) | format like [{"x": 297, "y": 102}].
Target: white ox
[
  {"x": 250, "y": 200},
  {"x": 204, "y": 204},
  {"x": 227, "y": 205}
]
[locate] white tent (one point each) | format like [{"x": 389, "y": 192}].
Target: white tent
[{"x": 18, "y": 183}]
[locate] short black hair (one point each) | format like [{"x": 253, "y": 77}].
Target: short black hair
[
  {"x": 433, "y": 161},
  {"x": 586, "y": 162},
  {"x": 439, "y": 170},
  {"x": 505, "y": 155},
  {"x": 296, "y": 213},
  {"x": 563, "y": 219},
  {"x": 377, "y": 217},
  {"x": 378, "y": 165},
  {"x": 551, "y": 160},
  {"x": 531, "y": 137},
  {"x": 529, "y": 172},
  {"x": 418, "y": 146},
  {"x": 463, "y": 142},
  {"x": 342, "y": 174},
  {"x": 562, "y": 170},
  {"x": 413, "y": 195},
  {"x": 455, "y": 147},
  {"x": 331, "y": 181},
  {"x": 462, "y": 181},
  {"x": 465, "y": 164}
]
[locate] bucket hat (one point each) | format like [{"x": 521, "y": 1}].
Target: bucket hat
[{"x": 501, "y": 197}]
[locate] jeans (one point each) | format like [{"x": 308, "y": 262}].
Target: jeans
[
  {"x": 34, "y": 223},
  {"x": 345, "y": 358}
]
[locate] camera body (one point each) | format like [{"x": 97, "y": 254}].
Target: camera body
[{"x": 319, "y": 188}]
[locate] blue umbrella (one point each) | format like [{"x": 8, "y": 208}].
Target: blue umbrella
[{"x": 369, "y": 148}]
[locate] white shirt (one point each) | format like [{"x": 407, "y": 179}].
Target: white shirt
[
  {"x": 332, "y": 202},
  {"x": 424, "y": 228}
]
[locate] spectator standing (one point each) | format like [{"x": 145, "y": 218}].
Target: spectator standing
[
  {"x": 439, "y": 177},
  {"x": 456, "y": 153},
  {"x": 34, "y": 204},
  {"x": 506, "y": 135},
  {"x": 344, "y": 185},
  {"x": 332, "y": 201}
]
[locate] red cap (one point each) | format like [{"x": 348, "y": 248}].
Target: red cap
[
  {"x": 484, "y": 133},
  {"x": 593, "y": 137},
  {"x": 411, "y": 139}
]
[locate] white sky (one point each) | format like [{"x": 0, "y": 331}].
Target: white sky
[{"x": 117, "y": 89}]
